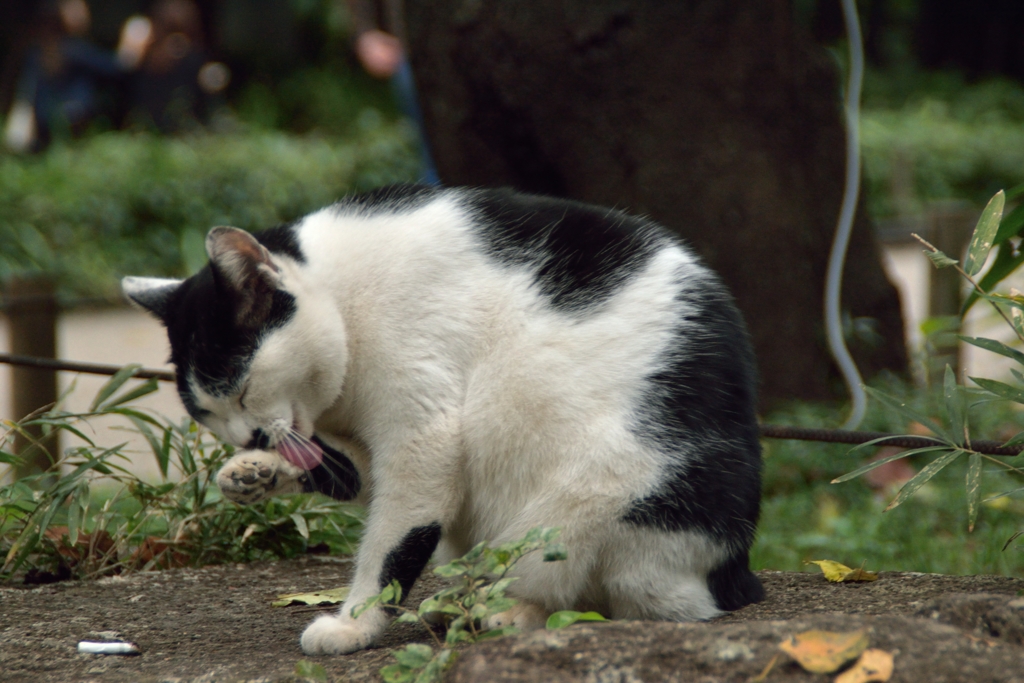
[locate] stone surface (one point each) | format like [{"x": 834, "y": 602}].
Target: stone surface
[
  {"x": 738, "y": 651},
  {"x": 216, "y": 624}
]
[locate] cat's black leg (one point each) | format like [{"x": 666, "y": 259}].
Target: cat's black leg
[{"x": 405, "y": 562}]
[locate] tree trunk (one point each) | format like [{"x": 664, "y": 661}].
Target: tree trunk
[{"x": 717, "y": 119}]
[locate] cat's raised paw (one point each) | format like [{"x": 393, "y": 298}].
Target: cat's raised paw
[
  {"x": 251, "y": 476},
  {"x": 330, "y": 635}
]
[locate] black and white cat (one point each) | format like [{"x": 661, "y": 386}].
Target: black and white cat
[{"x": 489, "y": 362}]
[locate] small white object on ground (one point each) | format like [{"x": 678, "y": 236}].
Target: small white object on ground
[{"x": 108, "y": 648}]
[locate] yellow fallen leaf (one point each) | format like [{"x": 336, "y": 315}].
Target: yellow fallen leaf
[
  {"x": 823, "y": 652},
  {"x": 874, "y": 666},
  {"x": 330, "y": 596},
  {"x": 860, "y": 575},
  {"x": 837, "y": 572}
]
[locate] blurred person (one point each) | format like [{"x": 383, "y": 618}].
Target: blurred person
[
  {"x": 58, "y": 89},
  {"x": 174, "y": 81},
  {"x": 379, "y": 35}
]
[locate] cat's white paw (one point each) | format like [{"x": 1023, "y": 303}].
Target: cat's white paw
[
  {"x": 524, "y": 615},
  {"x": 330, "y": 635},
  {"x": 251, "y": 476}
]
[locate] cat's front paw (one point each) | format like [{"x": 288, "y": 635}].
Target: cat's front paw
[
  {"x": 329, "y": 635},
  {"x": 251, "y": 476}
]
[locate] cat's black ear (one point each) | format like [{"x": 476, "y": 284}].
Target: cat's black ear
[
  {"x": 245, "y": 269},
  {"x": 152, "y": 294}
]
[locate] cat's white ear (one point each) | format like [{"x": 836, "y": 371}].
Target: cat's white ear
[
  {"x": 245, "y": 268},
  {"x": 152, "y": 294}
]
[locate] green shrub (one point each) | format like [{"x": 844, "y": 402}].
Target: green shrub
[
  {"x": 123, "y": 203},
  {"x": 806, "y": 517},
  {"x": 939, "y": 138}
]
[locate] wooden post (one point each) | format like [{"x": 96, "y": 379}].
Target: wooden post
[
  {"x": 950, "y": 225},
  {"x": 32, "y": 316}
]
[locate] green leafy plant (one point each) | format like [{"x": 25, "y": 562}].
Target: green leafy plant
[
  {"x": 953, "y": 440},
  {"x": 480, "y": 581},
  {"x": 122, "y": 203},
  {"x": 90, "y": 515},
  {"x": 569, "y": 617},
  {"x": 310, "y": 671}
]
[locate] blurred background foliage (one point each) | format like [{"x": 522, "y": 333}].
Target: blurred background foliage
[
  {"x": 120, "y": 203},
  {"x": 301, "y": 124}
]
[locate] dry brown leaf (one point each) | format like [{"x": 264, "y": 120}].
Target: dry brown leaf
[
  {"x": 874, "y": 666},
  {"x": 837, "y": 572},
  {"x": 823, "y": 652}
]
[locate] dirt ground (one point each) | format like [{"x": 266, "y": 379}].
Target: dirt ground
[{"x": 217, "y": 624}]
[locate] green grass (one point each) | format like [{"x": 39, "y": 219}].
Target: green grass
[
  {"x": 103, "y": 519},
  {"x": 805, "y": 517}
]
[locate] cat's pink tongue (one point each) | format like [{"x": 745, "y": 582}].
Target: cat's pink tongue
[{"x": 305, "y": 455}]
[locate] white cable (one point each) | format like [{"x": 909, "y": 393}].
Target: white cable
[{"x": 833, "y": 325}]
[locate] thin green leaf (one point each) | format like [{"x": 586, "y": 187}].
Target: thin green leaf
[
  {"x": 61, "y": 425},
  {"x": 880, "y": 441},
  {"x": 1016, "y": 440},
  {"x": 1005, "y": 263},
  {"x": 940, "y": 260},
  {"x": 498, "y": 632},
  {"x": 114, "y": 383},
  {"x": 1003, "y": 494},
  {"x": 300, "y": 525},
  {"x": 147, "y": 387},
  {"x": 973, "y": 489},
  {"x": 74, "y": 520},
  {"x": 999, "y": 389},
  {"x": 910, "y": 413},
  {"x": 984, "y": 234},
  {"x": 994, "y": 346},
  {"x": 131, "y": 412},
  {"x": 163, "y": 456},
  {"x": 1015, "y": 191},
  {"x": 370, "y": 603},
  {"x": 569, "y": 617},
  {"x": 956, "y": 406},
  {"x": 1010, "y": 225},
  {"x": 889, "y": 458},
  {"x": 922, "y": 477}
]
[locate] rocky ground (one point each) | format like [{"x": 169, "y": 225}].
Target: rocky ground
[{"x": 217, "y": 624}]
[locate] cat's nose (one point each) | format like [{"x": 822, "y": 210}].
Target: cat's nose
[{"x": 259, "y": 440}]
